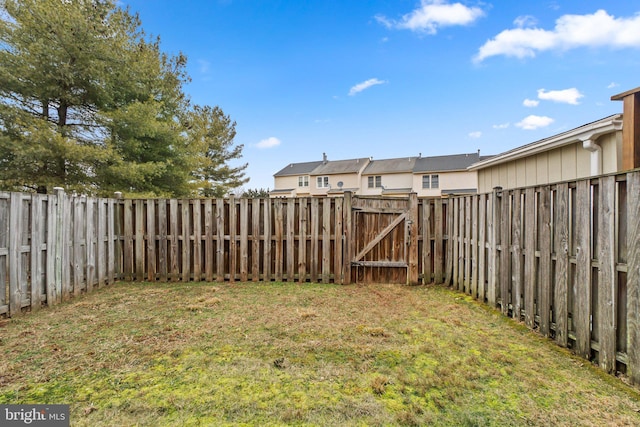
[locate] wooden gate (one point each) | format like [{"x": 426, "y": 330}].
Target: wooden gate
[{"x": 385, "y": 240}]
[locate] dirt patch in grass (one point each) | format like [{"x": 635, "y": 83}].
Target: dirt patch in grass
[{"x": 199, "y": 354}]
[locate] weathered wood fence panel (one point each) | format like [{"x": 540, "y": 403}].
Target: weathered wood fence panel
[
  {"x": 563, "y": 258},
  {"x": 53, "y": 247}
]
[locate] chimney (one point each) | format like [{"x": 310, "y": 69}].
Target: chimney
[
  {"x": 324, "y": 158},
  {"x": 630, "y": 127}
]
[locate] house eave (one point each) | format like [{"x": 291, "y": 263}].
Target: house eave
[{"x": 590, "y": 131}]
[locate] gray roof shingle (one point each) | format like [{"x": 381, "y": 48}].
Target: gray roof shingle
[
  {"x": 447, "y": 163},
  {"x": 384, "y": 166}
]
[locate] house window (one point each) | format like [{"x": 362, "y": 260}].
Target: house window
[
  {"x": 322, "y": 182},
  {"x": 435, "y": 181},
  {"x": 430, "y": 181},
  {"x": 374, "y": 181},
  {"x": 303, "y": 181}
]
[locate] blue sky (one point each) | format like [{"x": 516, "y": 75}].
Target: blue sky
[{"x": 395, "y": 78}]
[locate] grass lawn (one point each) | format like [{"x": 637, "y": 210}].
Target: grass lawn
[{"x": 290, "y": 354}]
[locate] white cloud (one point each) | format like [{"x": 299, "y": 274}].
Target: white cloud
[
  {"x": 571, "y": 31},
  {"x": 475, "y": 135},
  {"x": 433, "y": 14},
  {"x": 268, "y": 143},
  {"x": 525, "y": 21},
  {"x": 534, "y": 122},
  {"x": 365, "y": 85},
  {"x": 612, "y": 85},
  {"x": 530, "y": 103},
  {"x": 501, "y": 126},
  {"x": 566, "y": 96}
]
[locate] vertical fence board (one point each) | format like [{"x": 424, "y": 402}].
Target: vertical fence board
[
  {"x": 302, "y": 240},
  {"x": 530, "y": 257},
  {"x": 233, "y": 241},
  {"x": 37, "y": 214},
  {"x": 633, "y": 276},
  {"x": 244, "y": 239},
  {"x": 128, "y": 257},
  {"x": 561, "y": 239},
  {"x": 151, "y": 240},
  {"x": 582, "y": 305},
  {"x": 315, "y": 237},
  {"x": 139, "y": 239},
  {"x": 173, "y": 241},
  {"x": 267, "y": 240},
  {"x": 468, "y": 257},
  {"x": 209, "y": 254},
  {"x": 338, "y": 268},
  {"x": 453, "y": 240},
  {"x": 427, "y": 273},
  {"x": 101, "y": 264},
  {"x": 111, "y": 240},
  {"x": 79, "y": 226},
  {"x": 546, "y": 290},
  {"x": 15, "y": 243},
  {"x": 482, "y": 245},
  {"x": 348, "y": 237},
  {"x": 438, "y": 244},
  {"x": 505, "y": 255},
  {"x": 474, "y": 246},
  {"x": 607, "y": 305},
  {"x": 197, "y": 240},
  {"x": 326, "y": 239},
  {"x": 516, "y": 248},
  {"x": 90, "y": 242},
  {"x": 255, "y": 239},
  {"x": 278, "y": 217},
  {"x": 461, "y": 243},
  {"x": 185, "y": 216},
  {"x": 52, "y": 250},
  {"x": 290, "y": 233},
  {"x": 163, "y": 261},
  {"x": 494, "y": 232},
  {"x": 220, "y": 221}
]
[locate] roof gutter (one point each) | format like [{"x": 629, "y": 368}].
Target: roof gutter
[{"x": 585, "y": 133}]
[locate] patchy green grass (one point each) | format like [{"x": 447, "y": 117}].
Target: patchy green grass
[{"x": 281, "y": 354}]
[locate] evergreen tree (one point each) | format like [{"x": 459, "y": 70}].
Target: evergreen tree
[{"x": 90, "y": 103}]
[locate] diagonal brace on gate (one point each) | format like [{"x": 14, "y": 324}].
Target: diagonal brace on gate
[{"x": 379, "y": 237}]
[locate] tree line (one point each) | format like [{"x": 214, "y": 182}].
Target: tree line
[{"x": 89, "y": 102}]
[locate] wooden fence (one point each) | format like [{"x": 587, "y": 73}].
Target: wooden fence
[
  {"x": 563, "y": 258},
  {"x": 53, "y": 247}
]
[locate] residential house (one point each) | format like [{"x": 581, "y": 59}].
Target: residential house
[
  {"x": 608, "y": 145},
  {"x": 321, "y": 178},
  {"x": 427, "y": 176},
  {"x": 446, "y": 175}
]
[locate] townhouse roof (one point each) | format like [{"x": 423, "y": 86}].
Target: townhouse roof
[
  {"x": 340, "y": 166},
  {"x": 454, "y": 162},
  {"x": 384, "y": 166},
  {"x": 298, "y": 168},
  {"x": 589, "y": 131}
]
